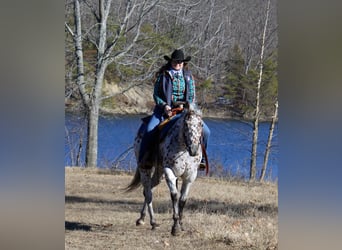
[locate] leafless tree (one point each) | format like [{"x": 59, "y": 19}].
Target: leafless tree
[
  {"x": 269, "y": 142},
  {"x": 111, "y": 45},
  {"x": 257, "y": 105}
]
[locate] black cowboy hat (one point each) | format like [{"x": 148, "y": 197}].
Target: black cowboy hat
[{"x": 177, "y": 55}]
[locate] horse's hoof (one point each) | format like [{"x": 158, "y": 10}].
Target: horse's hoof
[
  {"x": 181, "y": 226},
  {"x": 154, "y": 226},
  {"x": 140, "y": 222},
  {"x": 175, "y": 231}
]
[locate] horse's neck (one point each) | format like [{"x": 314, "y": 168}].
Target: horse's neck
[
  {"x": 177, "y": 130},
  {"x": 180, "y": 133}
]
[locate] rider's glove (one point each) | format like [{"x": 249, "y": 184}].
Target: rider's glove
[{"x": 167, "y": 110}]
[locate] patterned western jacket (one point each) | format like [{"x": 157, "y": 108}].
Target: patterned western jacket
[{"x": 169, "y": 88}]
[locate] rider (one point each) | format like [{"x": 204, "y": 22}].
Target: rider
[{"x": 174, "y": 84}]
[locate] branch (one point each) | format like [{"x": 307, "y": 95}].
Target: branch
[
  {"x": 121, "y": 157},
  {"x": 93, "y": 10},
  {"x": 123, "y": 91},
  {"x": 69, "y": 29},
  {"x": 123, "y": 30}
]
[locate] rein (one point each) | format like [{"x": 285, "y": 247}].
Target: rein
[
  {"x": 206, "y": 159},
  {"x": 174, "y": 111}
]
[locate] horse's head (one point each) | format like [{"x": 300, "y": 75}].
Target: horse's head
[{"x": 193, "y": 126}]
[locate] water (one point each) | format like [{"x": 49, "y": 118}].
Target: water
[{"x": 229, "y": 144}]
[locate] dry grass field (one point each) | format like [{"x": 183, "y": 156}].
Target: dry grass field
[{"x": 219, "y": 214}]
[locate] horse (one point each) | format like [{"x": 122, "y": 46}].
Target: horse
[{"x": 179, "y": 155}]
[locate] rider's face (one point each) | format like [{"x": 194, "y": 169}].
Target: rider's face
[{"x": 177, "y": 65}]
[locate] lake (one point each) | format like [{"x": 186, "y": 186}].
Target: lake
[{"x": 228, "y": 150}]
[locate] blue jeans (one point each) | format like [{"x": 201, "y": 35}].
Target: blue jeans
[
  {"x": 206, "y": 134},
  {"x": 156, "y": 118},
  {"x": 146, "y": 142}
]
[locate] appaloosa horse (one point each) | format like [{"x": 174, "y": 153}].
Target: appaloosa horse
[{"x": 179, "y": 157}]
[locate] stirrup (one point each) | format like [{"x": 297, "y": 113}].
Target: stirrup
[{"x": 201, "y": 166}]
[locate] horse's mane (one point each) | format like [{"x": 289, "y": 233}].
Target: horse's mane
[{"x": 193, "y": 107}]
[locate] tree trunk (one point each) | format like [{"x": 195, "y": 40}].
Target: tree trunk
[
  {"x": 257, "y": 108},
  {"x": 93, "y": 119},
  {"x": 79, "y": 53},
  {"x": 252, "y": 173},
  {"x": 91, "y": 153},
  {"x": 80, "y": 148},
  {"x": 70, "y": 144},
  {"x": 269, "y": 142},
  {"x": 91, "y": 101}
]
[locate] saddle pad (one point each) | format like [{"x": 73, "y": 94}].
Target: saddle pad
[{"x": 164, "y": 126}]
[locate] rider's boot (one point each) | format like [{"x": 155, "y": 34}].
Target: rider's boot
[{"x": 202, "y": 165}]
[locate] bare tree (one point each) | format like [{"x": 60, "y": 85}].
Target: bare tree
[
  {"x": 269, "y": 142},
  {"x": 110, "y": 47},
  {"x": 257, "y": 105}
]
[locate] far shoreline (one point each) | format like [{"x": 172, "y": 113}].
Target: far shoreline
[{"x": 213, "y": 115}]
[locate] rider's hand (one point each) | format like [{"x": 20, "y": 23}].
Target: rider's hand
[{"x": 167, "y": 110}]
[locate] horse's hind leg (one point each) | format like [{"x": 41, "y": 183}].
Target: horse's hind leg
[
  {"x": 145, "y": 176},
  {"x": 149, "y": 199},
  {"x": 141, "y": 221},
  {"x": 147, "y": 182},
  {"x": 155, "y": 180},
  {"x": 148, "y": 203}
]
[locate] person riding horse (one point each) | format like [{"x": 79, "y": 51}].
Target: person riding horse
[
  {"x": 179, "y": 155},
  {"x": 174, "y": 84}
]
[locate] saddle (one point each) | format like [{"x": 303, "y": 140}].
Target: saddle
[{"x": 160, "y": 132}]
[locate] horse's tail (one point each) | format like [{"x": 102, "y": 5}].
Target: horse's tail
[{"x": 135, "y": 183}]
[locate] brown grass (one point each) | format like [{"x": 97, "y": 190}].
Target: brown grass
[{"x": 219, "y": 214}]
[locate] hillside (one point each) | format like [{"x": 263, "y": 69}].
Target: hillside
[{"x": 139, "y": 100}]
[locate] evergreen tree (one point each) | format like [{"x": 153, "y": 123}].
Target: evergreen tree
[
  {"x": 269, "y": 87},
  {"x": 240, "y": 85}
]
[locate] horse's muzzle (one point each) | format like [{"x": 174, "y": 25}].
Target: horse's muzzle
[{"x": 193, "y": 150}]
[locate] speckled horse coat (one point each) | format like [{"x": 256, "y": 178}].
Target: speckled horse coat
[{"x": 179, "y": 157}]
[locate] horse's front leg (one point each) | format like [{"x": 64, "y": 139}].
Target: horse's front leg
[
  {"x": 182, "y": 200},
  {"x": 171, "y": 181}
]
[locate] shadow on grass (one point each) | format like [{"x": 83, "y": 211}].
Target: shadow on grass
[
  {"x": 115, "y": 205},
  {"x": 233, "y": 209},
  {"x": 220, "y": 207},
  {"x": 77, "y": 199},
  {"x": 69, "y": 225},
  {"x": 192, "y": 205}
]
